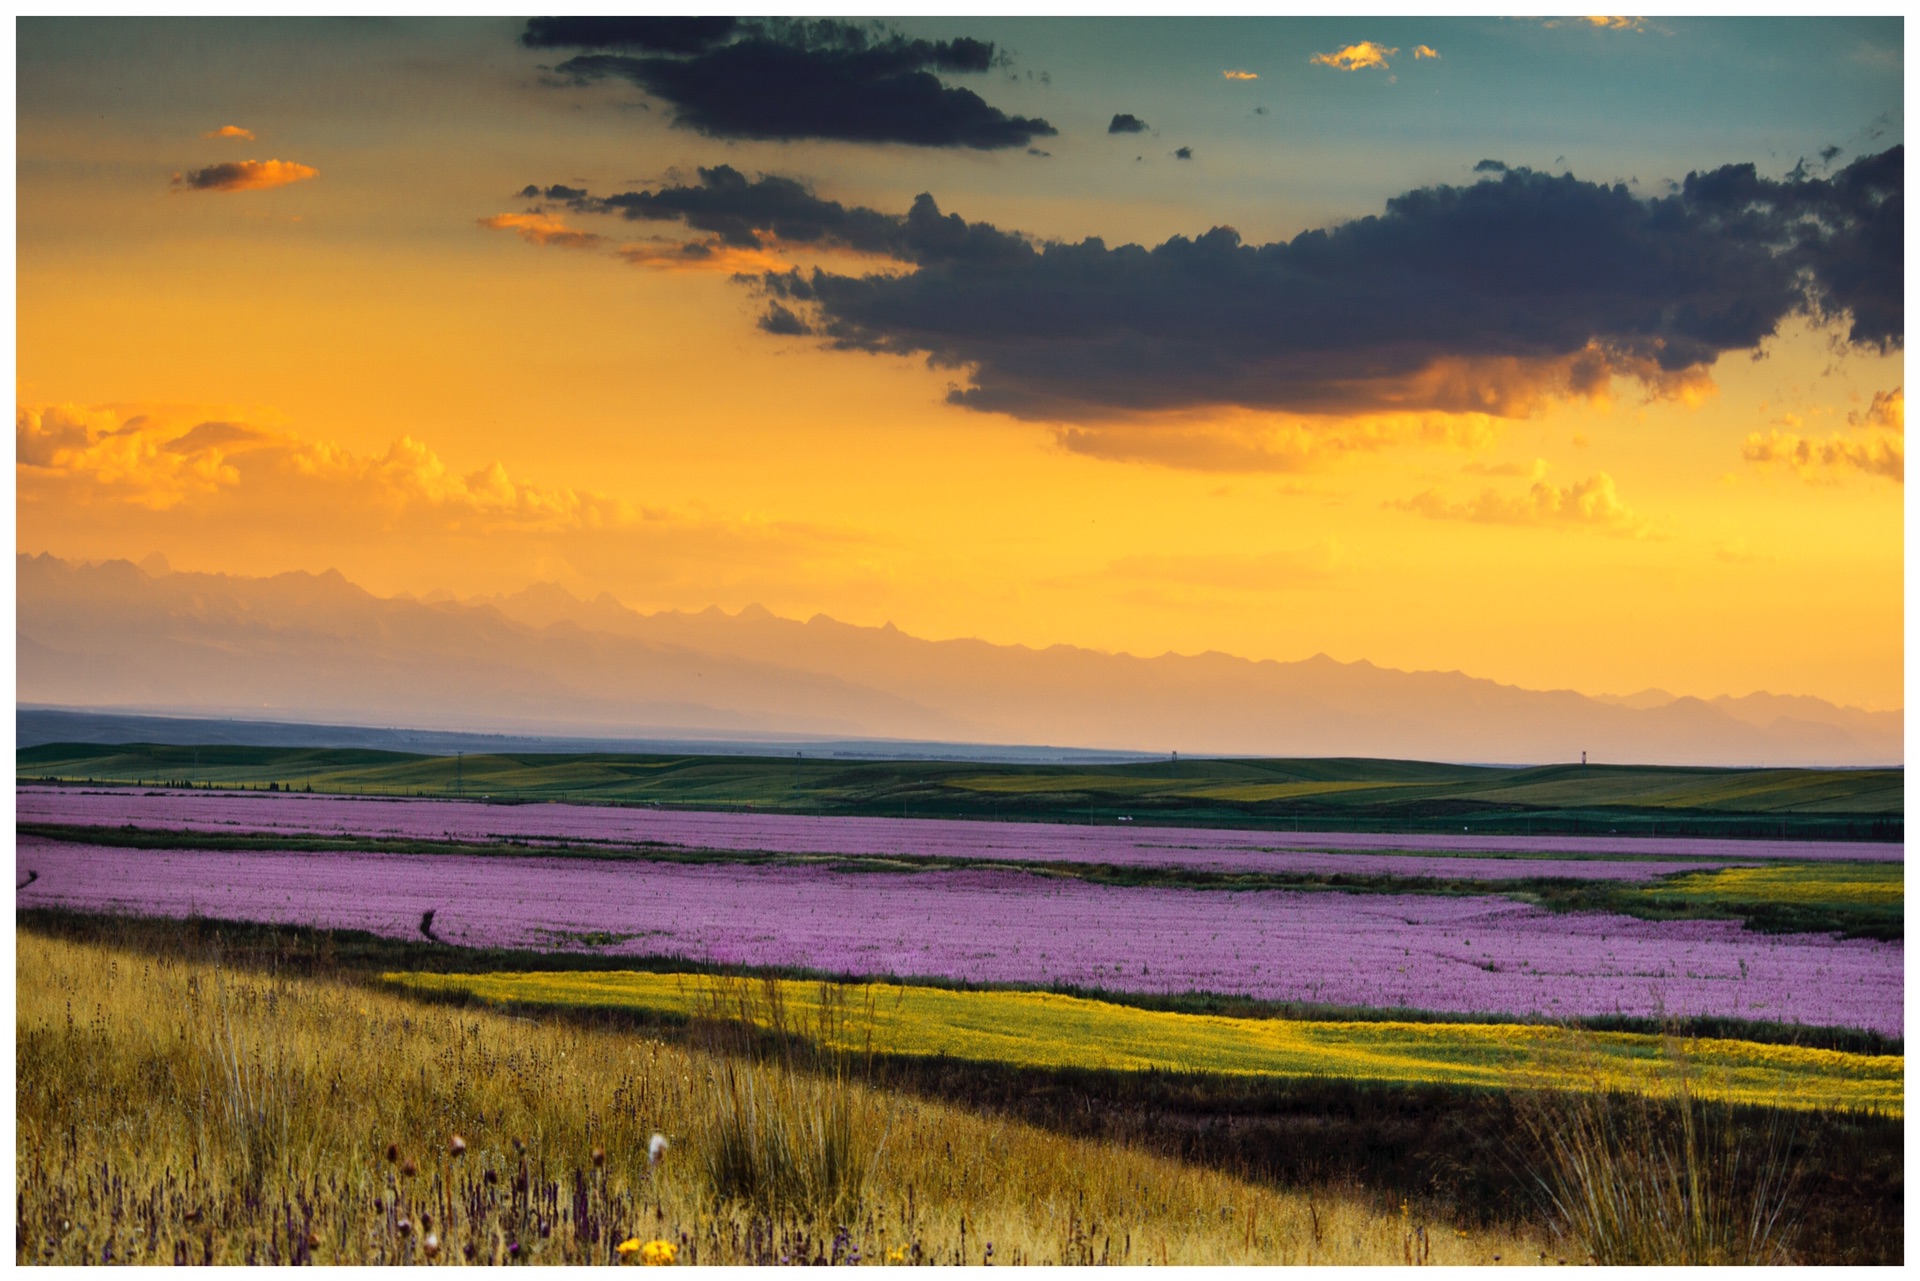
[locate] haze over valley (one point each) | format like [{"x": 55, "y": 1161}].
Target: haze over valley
[{"x": 305, "y": 646}]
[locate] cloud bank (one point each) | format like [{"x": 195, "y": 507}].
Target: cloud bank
[
  {"x": 1488, "y": 298},
  {"x": 1593, "y": 503},
  {"x": 1877, "y": 445}
]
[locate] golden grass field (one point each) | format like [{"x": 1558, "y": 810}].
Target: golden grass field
[
  {"x": 1047, "y": 1030},
  {"x": 172, "y": 1109}
]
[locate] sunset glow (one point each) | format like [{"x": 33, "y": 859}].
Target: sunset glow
[{"x": 513, "y": 310}]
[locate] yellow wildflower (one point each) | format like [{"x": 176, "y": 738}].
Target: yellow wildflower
[
  {"x": 658, "y": 1253},
  {"x": 627, "y": 1248},
  {"x": 897, "y": 1255}
]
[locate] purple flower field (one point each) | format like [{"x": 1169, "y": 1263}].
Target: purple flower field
[
  {"x": 1466, "y": 955},
  {"x": 1493, "y": 857}
]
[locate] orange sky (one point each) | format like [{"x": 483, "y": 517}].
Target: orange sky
[{"x": 351, "y": 370}]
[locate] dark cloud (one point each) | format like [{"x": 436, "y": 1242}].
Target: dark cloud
[
  {"x": 1847, "y": 231},
  {"x": 787, "y": 79},
  {"x": 1491, "y": 166},
  {"x": 1484, "y": 298},
  {"x": 779, "y": 320},
  {"x": 1124, "y": 123},
  {"x": 648, "y": 35},
  {"x": 1183, "y": 153},
  {"x": 748, "y": 213}
]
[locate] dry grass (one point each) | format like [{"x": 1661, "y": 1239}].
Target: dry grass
[
  {"x": 171, "y": 1109},
  {"x": 1675, "y": 1180}
]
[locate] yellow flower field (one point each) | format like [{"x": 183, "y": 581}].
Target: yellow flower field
[
  {"x": 1863, "y": 884},
  {"x": 1040, "y": 1029}
]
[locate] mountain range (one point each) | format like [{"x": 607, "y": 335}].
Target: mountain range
[{"x": 317, "y": 647}]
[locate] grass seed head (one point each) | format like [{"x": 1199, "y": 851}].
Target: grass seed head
[
  {"x": 408, "y": 1169},
  {"x": 456, "y": 1146},
  {"x": 393, "y": 1153},
  {"x": 656, "y": 1148},
  {"x": 599, "y": 1157}
]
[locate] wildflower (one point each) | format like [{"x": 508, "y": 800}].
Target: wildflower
[
  {"x": 897, "y": 1255},
  {"x": 408, "y": 1169},
  {"x": 656, "y": 1148},
  {"x": 490, "y": 1178},
  {"x": 628, "y": 1248},
  {"x": 456, "y": 1146},
  {"x": 393, "y": 1153},
  {"x": 658, "y": 1253},
  {"x": 599, "y": 1157},
  {"x": 431, "y": 1246},
  {"x": 404, "y": 1227}
]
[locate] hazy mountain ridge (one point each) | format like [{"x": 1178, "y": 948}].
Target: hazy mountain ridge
[{"x": 115, "y": 635}]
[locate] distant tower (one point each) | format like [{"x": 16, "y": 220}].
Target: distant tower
[{"x": 1583, "y": 758}]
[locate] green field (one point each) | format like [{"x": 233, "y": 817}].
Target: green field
[
  {"x": 1051, "y": 1031},
  {"x": 1309, "y": 795}
]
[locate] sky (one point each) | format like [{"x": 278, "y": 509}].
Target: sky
[{"x": 1562, "y": 352}]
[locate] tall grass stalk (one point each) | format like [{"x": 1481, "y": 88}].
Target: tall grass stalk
[
  {"x": 797, "y": 1124},
  {"x": 1668, "y": 1178},
  {"x": 255, "y": 1086}
]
